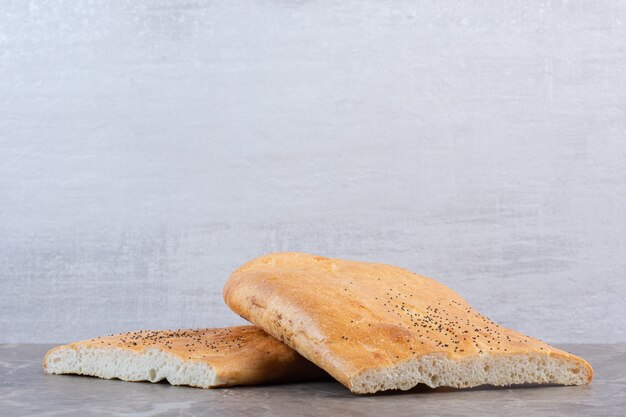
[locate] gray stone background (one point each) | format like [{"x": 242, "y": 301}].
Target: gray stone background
[{"x": 147, "y": 148}]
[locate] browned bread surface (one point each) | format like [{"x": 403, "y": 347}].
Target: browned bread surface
[{"x": 374, "y": 326}]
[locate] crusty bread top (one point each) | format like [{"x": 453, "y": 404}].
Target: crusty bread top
[
  {"x": 349, "y": 316},
  {"x": 239, "y": 355}
]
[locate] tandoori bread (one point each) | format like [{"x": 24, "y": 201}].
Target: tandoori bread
[
  {"x": 379, "y": 327},
  {"x": 204, "y": 358}
]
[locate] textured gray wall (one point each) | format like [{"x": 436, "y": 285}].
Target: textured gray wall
[{"x": 149, "y": 148}]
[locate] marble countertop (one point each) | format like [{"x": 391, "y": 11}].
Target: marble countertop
[{"x": 25, "y": 391}]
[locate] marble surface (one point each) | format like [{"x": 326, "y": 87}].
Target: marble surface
[
  {"x": 25, "y": 391},
  {"x": 150, "y": 147}
]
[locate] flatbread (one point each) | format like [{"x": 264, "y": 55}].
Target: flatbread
[
  {"x": 378, "y": 327},
  {"x": 206, "y": 358}
]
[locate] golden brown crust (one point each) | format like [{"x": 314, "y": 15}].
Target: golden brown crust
[
  {"x": 348, "y": 316},
  {"x": 239, "y": 355}
]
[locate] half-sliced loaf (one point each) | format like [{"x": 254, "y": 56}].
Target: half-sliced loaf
[
  {"x": 204, "y": 358},
  {"x": 378, "y": 327}
]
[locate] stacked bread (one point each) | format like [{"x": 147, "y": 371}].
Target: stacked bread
[{"x": 371, "y": 326}]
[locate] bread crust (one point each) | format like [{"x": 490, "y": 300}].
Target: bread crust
[
  {"x": 351, "y": 317},
  {"x": 240, "y": 355}
]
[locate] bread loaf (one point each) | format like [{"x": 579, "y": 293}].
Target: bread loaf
[
  {"x": 378, "y": 327},
  {"x": 204, "y": 358}
]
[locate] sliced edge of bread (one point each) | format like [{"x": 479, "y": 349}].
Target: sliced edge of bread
[
  {"x": 498, "y": 370},
  {"x": 152, "y": 365}
]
